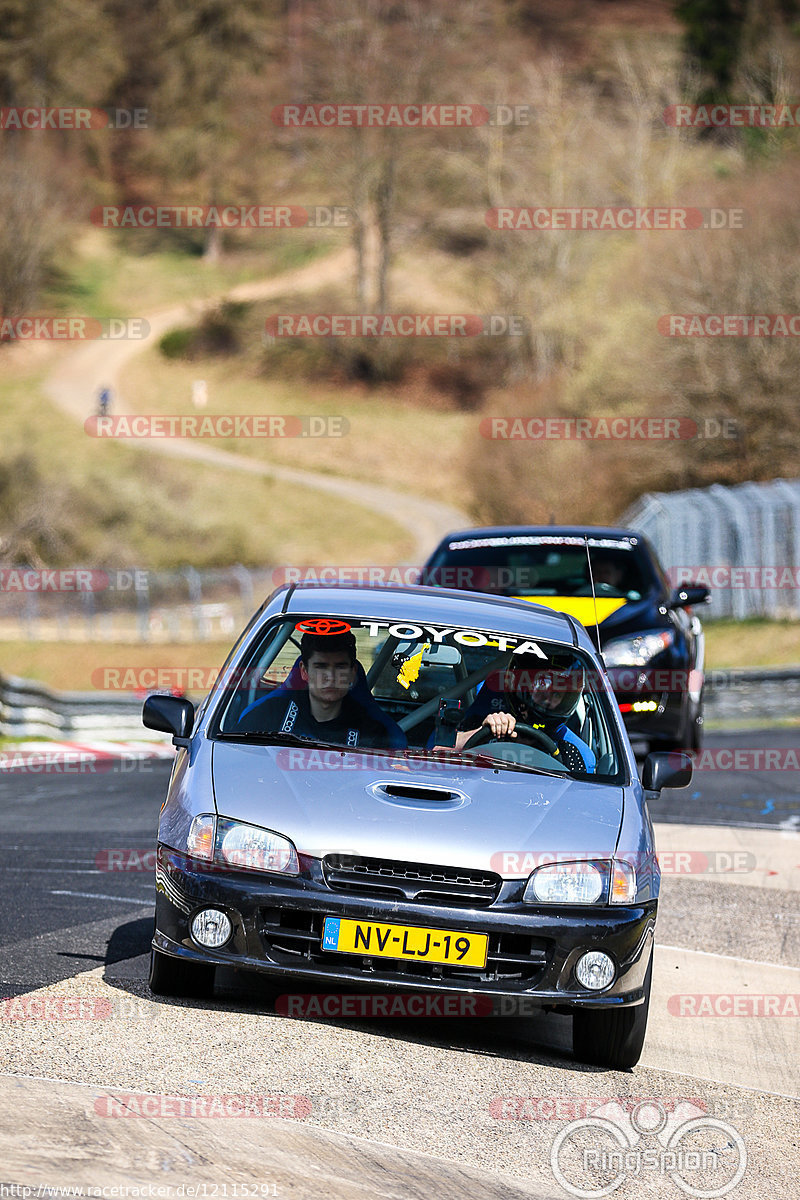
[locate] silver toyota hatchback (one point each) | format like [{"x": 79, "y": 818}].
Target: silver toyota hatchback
[{"x": 415, "y": 790}]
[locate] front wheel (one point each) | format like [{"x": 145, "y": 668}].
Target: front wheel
[
  {"x": 612, "y": 1037},
  {"x": 176, "y": 977}
]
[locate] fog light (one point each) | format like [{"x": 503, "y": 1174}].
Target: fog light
[
  {"x": 211, "y": 928},
  {"x": 594, "y": 970}
]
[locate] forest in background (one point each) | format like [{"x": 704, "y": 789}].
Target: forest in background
[{"x": 597, "y": 76}]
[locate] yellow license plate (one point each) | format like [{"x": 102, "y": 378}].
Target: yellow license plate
[{"x": 377, "y": 940}]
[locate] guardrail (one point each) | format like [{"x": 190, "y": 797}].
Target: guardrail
[{"x": 29, "y": 709}]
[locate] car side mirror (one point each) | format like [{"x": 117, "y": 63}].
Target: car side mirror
[
  {"x": 688, "y": 595},
  {"x": 666, "y": 770},
  {"x": 170, "y": 714}
]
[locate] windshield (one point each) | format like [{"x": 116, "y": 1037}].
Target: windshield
[
  {"x": 421, "y": 690},
  {"x": 543, "y": 565}
]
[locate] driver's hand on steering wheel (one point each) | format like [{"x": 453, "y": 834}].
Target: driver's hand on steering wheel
[{"x": 501, "y": 724}]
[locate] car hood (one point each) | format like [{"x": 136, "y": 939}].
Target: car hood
[
  {"x": 617, "y": 616},
  {"x": 336, "y": 804}
]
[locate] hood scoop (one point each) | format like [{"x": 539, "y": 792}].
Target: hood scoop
[{"x": 417, "y": 795}]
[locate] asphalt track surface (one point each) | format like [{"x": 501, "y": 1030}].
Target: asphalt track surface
[{"x": 399, "y": 1108}]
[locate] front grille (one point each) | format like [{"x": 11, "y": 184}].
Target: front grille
[
  {"x": 421, "y": 883},
  {"x": 293, "y": 937}
]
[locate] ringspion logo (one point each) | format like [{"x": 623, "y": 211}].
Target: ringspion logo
[{"x": 597, "y": 1153}]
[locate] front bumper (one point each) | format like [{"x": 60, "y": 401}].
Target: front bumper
[{"x": 277, "y": 930}]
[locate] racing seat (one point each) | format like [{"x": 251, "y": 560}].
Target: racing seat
[{"x": 359, "y": 692}]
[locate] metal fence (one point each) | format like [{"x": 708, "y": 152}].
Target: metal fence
[
  {"x": 128, "y": 606},
  {"x": 743, "y": 542}
]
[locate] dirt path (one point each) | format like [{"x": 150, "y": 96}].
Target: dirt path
[{"x": 73, "y": 383}]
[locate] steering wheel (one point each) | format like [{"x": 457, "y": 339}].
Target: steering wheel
[{"x": 484, "y": 734}]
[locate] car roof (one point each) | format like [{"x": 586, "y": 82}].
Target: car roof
[
  {"x": 438, "y": 606},
  {"x": 609, "y": 531}
]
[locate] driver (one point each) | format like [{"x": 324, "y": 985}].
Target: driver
[
  {"x": 323, "y": 708},
  {"x": 542, "y": 695},
  {"x": 606, "y": 570}
]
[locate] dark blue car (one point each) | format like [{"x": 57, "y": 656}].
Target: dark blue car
[{"x": 651, "y": 640}]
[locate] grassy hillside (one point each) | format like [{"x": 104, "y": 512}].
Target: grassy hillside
[{"x": 592, "y": 79}]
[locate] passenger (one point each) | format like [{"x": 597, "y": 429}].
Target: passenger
[
  {"x": 323, "y": 709},
  {"x": 542, "y": 695}
]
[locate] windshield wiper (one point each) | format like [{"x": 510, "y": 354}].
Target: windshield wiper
[
  {"x": 279, "y": 737},
  {"x": 468, "y": 759}
]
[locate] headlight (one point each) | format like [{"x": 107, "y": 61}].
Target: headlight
[
  {"x": 564, "y": 883},
  {"x": 254, "y": 849},
  {"x": 637, "y": 651}
]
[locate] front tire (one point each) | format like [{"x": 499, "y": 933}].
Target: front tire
[
  {"x": 612, "y": 1037},
  {"x": 176, "y": 977}
]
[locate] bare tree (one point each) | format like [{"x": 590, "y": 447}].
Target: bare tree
[{"x": 30, "y": 227}]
